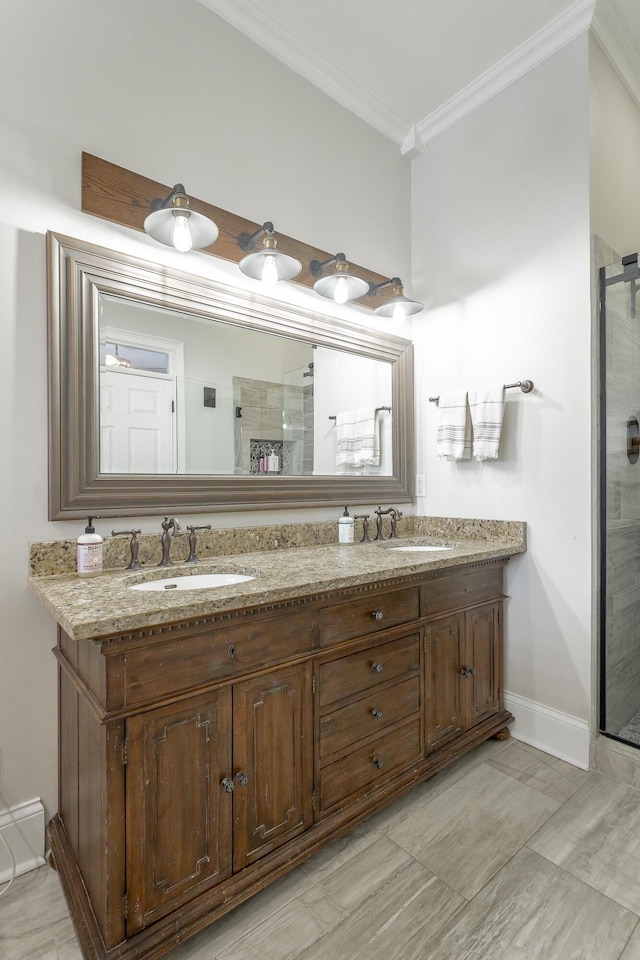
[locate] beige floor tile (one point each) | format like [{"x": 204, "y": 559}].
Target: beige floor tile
[
  {"x": 422, "y": 793},
  {"x": 632, "y": 949},
  {"x": 286, "y": 934},
  {"x": 539, "y": 770},
  {"x": 595, "y": 836},
  {"x": 34, "y": 919},
  {"x": 353, "y": 881},
  {"x": 533, "y": 910},
  {"x": 244, "y": 919},
  {"x": 472, "y": 829},
  {"x": 393, "y": 922}
]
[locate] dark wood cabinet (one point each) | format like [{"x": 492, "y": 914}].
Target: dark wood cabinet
[
  {"x": 180, "y": 841},
  {"x": 201, "y": 760},
  {"x": 272, "y": 761}
]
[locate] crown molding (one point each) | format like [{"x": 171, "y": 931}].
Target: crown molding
[
  {"x": 564, "y": 28},
  {"x": 275, "y": 38},
  {"x": 611, "y": 35}
]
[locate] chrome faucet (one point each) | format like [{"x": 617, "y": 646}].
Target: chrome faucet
[{"x": 170, "y": 528}]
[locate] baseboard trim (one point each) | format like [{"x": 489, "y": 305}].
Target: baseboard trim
[
  {"x": 22, "y": 827},
  {"x": 557, "y": 733}
]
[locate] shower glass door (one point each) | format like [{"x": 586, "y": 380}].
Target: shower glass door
[{"x": 620, "y": 501}]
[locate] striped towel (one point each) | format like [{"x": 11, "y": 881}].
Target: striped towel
[
  {"x": 487, "y": 408},
  {"x": 453, "y": 440},
  {"x": 358, "y": 438}
]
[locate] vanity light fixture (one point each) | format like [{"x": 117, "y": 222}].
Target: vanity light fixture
[
  {"x": 269, "y": 264},
  {"x": 171, "y": 222},
  {"x": 399, "y": 307},
  {"x": 340, "y": 285}
]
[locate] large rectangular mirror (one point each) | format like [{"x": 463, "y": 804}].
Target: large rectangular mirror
[{"x": 172, "y": 392}]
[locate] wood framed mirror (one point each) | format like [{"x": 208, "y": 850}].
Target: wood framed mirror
[{"x": 119, "y": 326}]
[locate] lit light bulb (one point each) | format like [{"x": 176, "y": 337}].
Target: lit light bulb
[
  {"x": 270, "y": 271},
  {"x": 398, "y": 313},
  {"x": 341, "y": 294},
  {"x": 182, "y": 240}
]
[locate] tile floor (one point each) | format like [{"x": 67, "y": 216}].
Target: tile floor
[{"x": 509, "y": 854}]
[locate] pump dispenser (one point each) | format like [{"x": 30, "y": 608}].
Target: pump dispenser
[
  {"x": 346, "y": 528},
  {"x": 89, "y": 551}
]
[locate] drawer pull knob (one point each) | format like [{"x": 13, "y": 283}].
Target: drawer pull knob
[
  {"x": 377, "y": 714},
  {"x": 377, "y": 614},
  {"x": 376, "y": 667},
  {"x": 242, "y": 778},
  {"x": 231, "y": 650},
  {"x": 228, "y": 784},
  {"x": 378, "y": 762},
  {"x": 467, "y": 672}
]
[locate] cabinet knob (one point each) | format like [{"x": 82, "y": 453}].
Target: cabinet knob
[
  {"x": 378, "y": 762},
  {"x": 228, "y": 784},
  {"x": 376, "y": 667},
  {"x": 242, "y": 778},
  {"x": 231, "y": 651},
  {"x": 377, "y": 614},
  {"x": 467, "y": 672},
  {"x": 377, "y": 714}
]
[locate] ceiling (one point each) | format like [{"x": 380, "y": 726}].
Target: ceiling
[{"x": 413, "y": 68}]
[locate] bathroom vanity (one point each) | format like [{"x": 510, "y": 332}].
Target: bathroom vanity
[{"x": 209, "y": 745}]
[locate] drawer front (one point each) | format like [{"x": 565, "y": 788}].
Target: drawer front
[
  {"x": 368, "y": 716},
  {"x": 460, "y": 590},
  {"x": 370, "y": 765},
  {"x": 358, "y": 618},
  {"x": 359, "y": 671},
  {"x": 176, "y": 665}
]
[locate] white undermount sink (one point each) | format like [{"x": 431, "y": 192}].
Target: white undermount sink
[
  {"x": 198, "y": 581},
  {"x": 420, "y": 549}
]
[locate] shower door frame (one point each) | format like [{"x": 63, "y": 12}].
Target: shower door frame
[{"x": 630, "y": 275}]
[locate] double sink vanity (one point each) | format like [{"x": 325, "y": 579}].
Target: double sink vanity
[{"x": 212, "y": 737}]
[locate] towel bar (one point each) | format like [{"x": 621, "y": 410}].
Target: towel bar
[
  {"x": 525, "y": 385},
  {"x": 378, "y": 409}
]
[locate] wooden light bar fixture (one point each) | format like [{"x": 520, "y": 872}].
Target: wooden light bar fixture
[{"x": 120, "y": 196}]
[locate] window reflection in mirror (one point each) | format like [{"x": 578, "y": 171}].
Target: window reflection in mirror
[{"x": 181, "y": 394}]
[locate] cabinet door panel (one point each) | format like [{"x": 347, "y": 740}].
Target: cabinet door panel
[
  {"x": 179, "y": 818},
  {"x": 483, "y": 655},
  {"x": 444, "y": 647},
  {"x": 272, "y": 745}
]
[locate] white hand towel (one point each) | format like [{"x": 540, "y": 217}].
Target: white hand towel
[
  {"x": 453, "y": 440},
  {"x": 487, "y": 409},
  {"x": 358, "y": 438}
]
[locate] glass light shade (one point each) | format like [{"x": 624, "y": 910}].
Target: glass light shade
[
  {"x": 341, "y": 286},
  {"x": 161, "y": 225},
  {"x": 270, "y": 266}
]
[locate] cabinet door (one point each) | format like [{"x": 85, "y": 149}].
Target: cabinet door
[
  {"x": 444, "y": 644},
  {"x": 482, "y": 667},
  {"x": 179, "y": 817},
  {"x": 272, "y": 761}
]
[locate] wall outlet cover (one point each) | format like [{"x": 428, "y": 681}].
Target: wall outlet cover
[{"x": 420, "y": 485}]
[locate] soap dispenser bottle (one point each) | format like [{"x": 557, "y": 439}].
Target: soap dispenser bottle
[
  {"x": 346, "y": 527},
  {"x": 89, "y": 551}
]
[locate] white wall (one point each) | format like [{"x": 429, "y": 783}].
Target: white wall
[
  {"x": 242, "y": 132},
  {"x": 501, "y": 251},
  {"x": 614, "y": 118}
]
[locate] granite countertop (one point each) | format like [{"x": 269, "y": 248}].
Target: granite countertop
[{"x": 93, "y": 607}]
